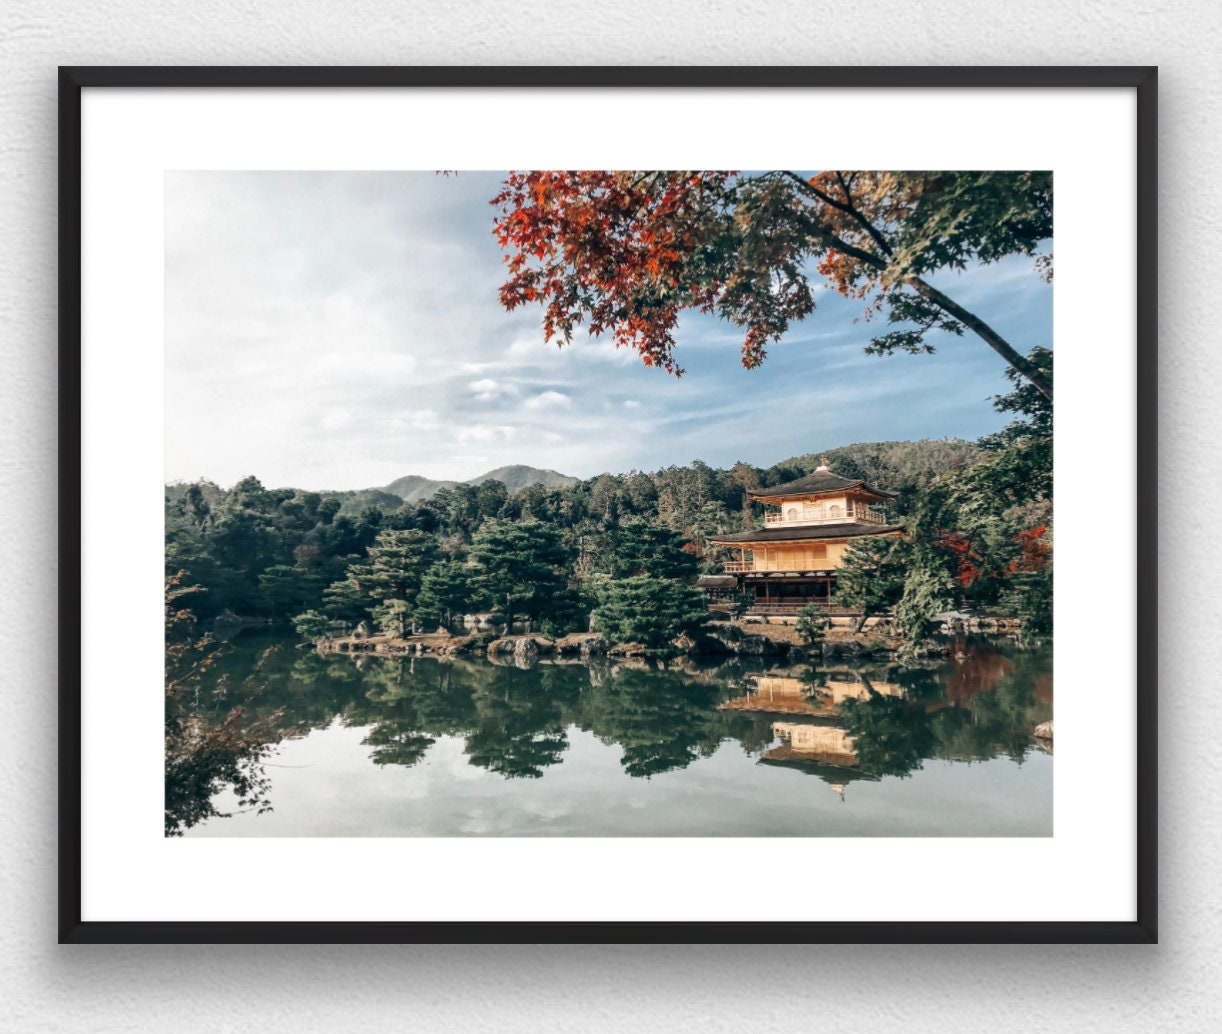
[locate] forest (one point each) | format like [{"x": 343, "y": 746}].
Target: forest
[{"x": 628, "y": 547}]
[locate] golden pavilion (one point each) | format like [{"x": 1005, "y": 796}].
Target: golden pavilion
[{"x": 808, "y": 525}]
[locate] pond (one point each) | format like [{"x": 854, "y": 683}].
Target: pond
[{"x": 416, "y": 746}]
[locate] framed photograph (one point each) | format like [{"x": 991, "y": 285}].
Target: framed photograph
[{"x": 607, "y": 504}]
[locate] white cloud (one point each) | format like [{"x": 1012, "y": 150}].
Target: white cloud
[
  {"x": 486, "y": 389},
  {"x": 631, "y": 404},
  {"x": 549, "y": 400}
]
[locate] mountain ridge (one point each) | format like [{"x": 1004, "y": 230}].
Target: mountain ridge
[
  {"x": 414, "y": 488},
  {"x": 887, "y": 465}
]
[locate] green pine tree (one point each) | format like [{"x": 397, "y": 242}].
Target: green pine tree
[{"x": 650, "y": 611}]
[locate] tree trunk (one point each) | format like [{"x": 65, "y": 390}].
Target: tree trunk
[{"x": 994, "y": 340}]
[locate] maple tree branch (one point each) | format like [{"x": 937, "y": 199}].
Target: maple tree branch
[
  {"x": 994, "y": 340},
  {"x": 865, "y": 223},
  {"x": 973, "y": 322},
  {"x": 848, "y": 209},
  {"x": 840, "y": 244}
]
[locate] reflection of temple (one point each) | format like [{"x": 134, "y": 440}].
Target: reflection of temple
[
  {"x": 783, "y": 694},
  {"x": 815, "y": 746},
  {"x": 819, "y": 750},
  {"x": 824, "y": 744}
]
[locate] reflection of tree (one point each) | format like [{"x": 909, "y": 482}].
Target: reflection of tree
[
  {"x": 976, "y": 671},
  {"x": 397, "y": 743},
  {"x": 997, "y": 721},
  {"x": 225, "y": 708},
  {"x": 661, "y": 721},
  {"x": 205, "y": 754},
  {"x": 390, "y": 706},
  {"x": 521, "y": 721},
  {"x": 920, "y": 682},
  {"x": 891, "y": 735}
]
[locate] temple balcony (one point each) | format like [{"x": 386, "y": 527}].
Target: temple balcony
[
  {"x": 853, "y": 515},
  {"x": 774, "y": 565}
]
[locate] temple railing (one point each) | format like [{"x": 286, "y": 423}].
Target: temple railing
[
  {"x": 854, "y": 514},
  {"x": 774, "y": 566},
  {"x": 778, "y": 609}
]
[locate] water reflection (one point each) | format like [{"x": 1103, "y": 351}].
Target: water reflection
[{"x": 840, "y": 723}]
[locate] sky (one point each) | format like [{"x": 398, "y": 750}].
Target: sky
[{"x": 340, "y": 330}]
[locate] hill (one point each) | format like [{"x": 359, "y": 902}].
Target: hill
[
  {"x": 891, "y": 466},
  {"x": 414, "y": 489},
  {"x": 517, "y": 477},
  {"x": 903, "y": 468}
]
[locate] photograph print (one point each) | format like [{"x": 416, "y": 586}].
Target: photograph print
[{"x": 609, "y": 503}]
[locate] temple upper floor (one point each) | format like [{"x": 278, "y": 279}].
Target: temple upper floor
[
  {"x": 822, "y": 497},
  {"x": 843, "y": 509}
]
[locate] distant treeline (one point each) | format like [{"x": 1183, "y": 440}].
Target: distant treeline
[
  {"x": 978, "y": 518},
  {"x": 271, "y": 552}
]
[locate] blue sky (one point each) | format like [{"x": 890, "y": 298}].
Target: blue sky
[{"x": 339, "y": 330}]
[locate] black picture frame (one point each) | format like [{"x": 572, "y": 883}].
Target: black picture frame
[{"x": 74, "y": 930}]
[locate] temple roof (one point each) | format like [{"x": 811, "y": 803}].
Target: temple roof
[
  {"x": 810, "y": 531},
  {"x": 821, "y": 482}
]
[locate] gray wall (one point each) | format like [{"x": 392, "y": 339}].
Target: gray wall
[{"x": 272, "y": 989}]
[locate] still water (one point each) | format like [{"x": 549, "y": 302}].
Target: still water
[{"x": 373, "y": 746}]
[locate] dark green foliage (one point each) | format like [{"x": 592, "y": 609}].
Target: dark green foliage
[
  {"x": 740, "y": 603},
  {"x": 1028, "y": 596},
  {"x": 873, "y": 575},
  {"x": 519, "y": 568},
  {"x": 344, "y": 601},
  {"x": 394, "y": 617},
  {"x": 445, "y": 590},
  {"x": 644, "y": 549},
  {"x": 650, "y": 611},
  {"x": 393, "y": 575},
  {"x": 284, "y": 589},
  {"x": 311, "y": 624},
  {"x": 396, "y": 566},
  {"x": 812, "y": 624},
  {"x": 519, "y": 730}
]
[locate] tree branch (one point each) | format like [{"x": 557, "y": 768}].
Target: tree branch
[
  {"x": 848, "y": 209},
  {"x": 865, "y": 223},
  {"x": 994, "y": 340}
]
